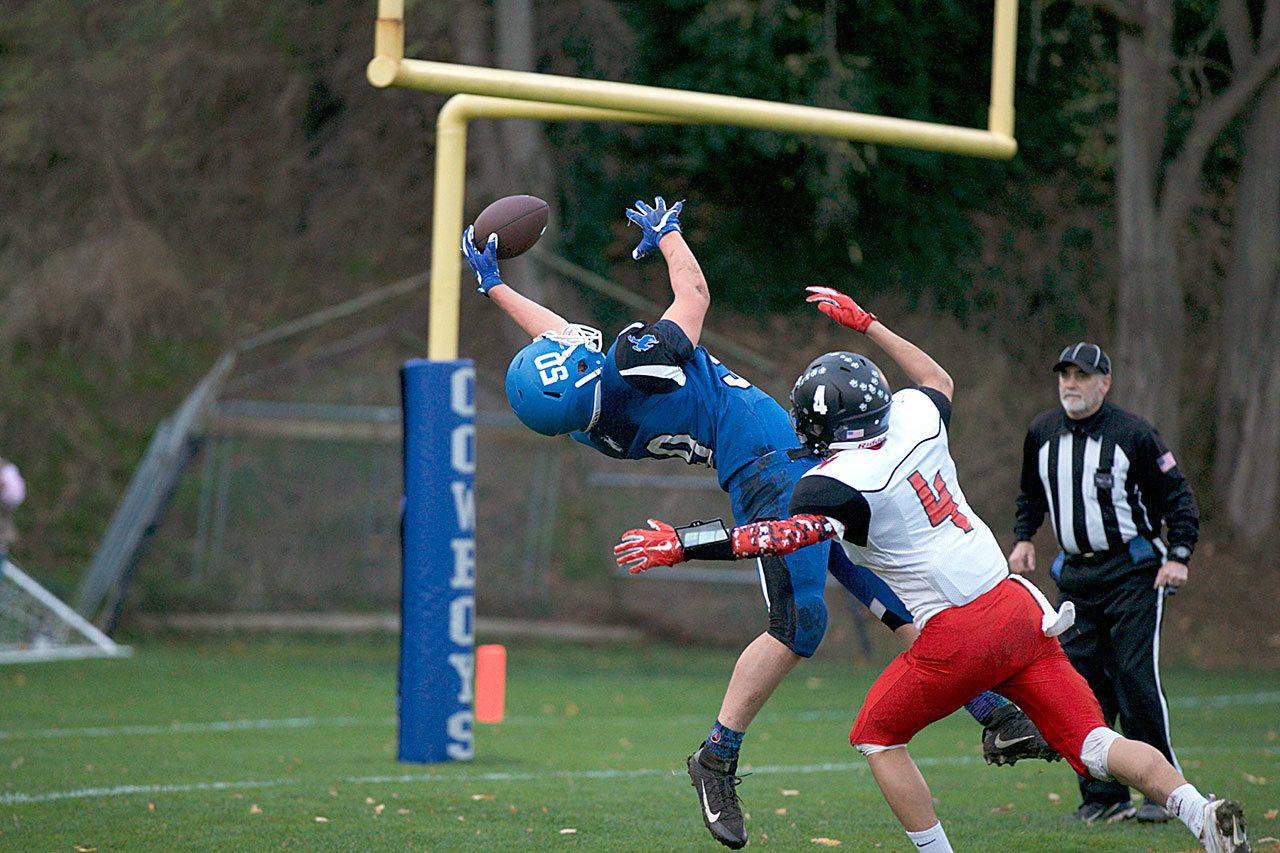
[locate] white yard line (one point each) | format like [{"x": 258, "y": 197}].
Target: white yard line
[
  {"x": 192, "y": 728},
  {"x": 1272, "y": 698},
  {"x": 20, "y": 798},
  {"x": 1192, "y": 702},
  {"x": 464, "y": 777},
  {"x": 758, "y": 770}
]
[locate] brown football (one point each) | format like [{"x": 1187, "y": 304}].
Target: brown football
[{"x": 518, "y": 220}]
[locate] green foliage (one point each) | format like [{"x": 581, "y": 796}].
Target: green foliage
[
  {"x": 76, "y": 427},
  {"x": 770, "y": 212}
]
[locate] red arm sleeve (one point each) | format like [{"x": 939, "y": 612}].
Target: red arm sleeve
[{"x": 781, "y": 536}]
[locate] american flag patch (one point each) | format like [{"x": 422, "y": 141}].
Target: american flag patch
[{"x": 1166, "y": 462}]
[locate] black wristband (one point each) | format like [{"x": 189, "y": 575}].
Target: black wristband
[{"x": 705, "y": 540}]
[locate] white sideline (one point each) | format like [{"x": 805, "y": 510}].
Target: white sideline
[
  {"x": 190, "y": 728},
  {"x": 20, "y": 798},
  {"x": 1223, "y": 701},
  {"x": 1192, "y": 702}
]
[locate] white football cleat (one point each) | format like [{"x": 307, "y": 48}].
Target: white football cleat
[{"x": 1224, "y": 830}]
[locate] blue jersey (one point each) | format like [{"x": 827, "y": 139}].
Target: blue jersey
[{"x": 661, "y": 397}]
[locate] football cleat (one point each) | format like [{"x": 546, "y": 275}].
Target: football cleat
[
  {"x": 1010, "y": 736},
  {"x": 1104, "y": 812},
  {"x": 1150, "y": 812},
  {"x": 1224, "y": 830},
  {"x": 715, "y": 781}
]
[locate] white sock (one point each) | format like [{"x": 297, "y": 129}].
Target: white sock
[
  {"x": 1187, "y": 805},
  {"x": 933, "y": 839}
]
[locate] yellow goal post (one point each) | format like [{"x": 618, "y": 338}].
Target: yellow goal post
[{"x": 525, "y": 95}]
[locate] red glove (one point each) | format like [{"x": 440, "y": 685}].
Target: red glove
[
  {"x": 643, "y": 549},
  {"x": 840, "y": 308}
]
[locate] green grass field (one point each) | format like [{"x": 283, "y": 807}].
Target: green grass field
[{"x": 265, "y": 744}]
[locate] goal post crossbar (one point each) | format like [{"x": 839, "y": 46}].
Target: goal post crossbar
[
  {"x": 498, "y": 93},
  {"x": 389, "y": 67}
]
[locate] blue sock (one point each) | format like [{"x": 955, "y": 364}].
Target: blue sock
[
  {"x": 984, "y": 705},
  {"x": 724, "y": 742}
]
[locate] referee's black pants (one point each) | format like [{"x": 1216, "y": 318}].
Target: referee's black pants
[{"x": 1115, "y": 645}]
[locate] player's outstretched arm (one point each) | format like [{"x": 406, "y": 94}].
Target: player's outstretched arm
[
  {"x": 664, "y": 545},
  {"x": 692, "y": 297},
  {"x": 661, "y": 227},
  {"x": 528, "y": 315},
  {"x": 919, "y": 366}
]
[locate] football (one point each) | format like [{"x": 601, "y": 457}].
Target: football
[{"x": 518, "y": 220}]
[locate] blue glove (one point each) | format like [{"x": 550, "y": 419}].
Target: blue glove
[
  {"x": 654, "y": 221},
  {"x": 483, "y": 264}
]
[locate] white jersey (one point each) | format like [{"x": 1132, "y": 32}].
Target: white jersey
[{"x": 900, "y": 511}]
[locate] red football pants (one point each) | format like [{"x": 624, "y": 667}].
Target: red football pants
[{"x": 992, "y": 643}]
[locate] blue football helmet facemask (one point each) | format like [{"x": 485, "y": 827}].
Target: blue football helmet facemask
[{"x": 553, "y": 384}]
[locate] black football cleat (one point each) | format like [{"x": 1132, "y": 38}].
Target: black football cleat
[
  {"x": 1104, "y": 812},
  {"x": 1150, "y": 812},
  {"x": 715, "y": 781},
  {"x": 1010, "y": 736}
]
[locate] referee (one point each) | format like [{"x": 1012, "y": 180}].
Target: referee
[{"x": 1107, "y": 481}]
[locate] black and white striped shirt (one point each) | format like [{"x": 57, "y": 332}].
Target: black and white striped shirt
[{"x": 1102, "y": 480}]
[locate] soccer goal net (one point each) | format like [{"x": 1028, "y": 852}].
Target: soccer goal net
[{"x": 36, "y": 626}]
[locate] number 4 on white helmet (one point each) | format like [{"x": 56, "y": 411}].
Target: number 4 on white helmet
[{"x": 840, "y": 397}]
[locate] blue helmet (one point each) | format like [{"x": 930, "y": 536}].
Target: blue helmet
[{"x": 553, "y": 384}]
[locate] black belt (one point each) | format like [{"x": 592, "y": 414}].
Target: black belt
[{"x": 1100, "y": 556}]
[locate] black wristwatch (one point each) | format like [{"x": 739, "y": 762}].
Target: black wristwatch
[{"x": 1180, "y": 553}]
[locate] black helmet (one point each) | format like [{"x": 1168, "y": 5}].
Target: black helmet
[{"x": 841, "y": 396}]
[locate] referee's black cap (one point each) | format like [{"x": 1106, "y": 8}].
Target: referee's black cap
[{"x": 1088, "y": 357}]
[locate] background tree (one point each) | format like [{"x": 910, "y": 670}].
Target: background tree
[
  {"x": 1174, "y": 101},
  {"x": 1246, "y": 474}
]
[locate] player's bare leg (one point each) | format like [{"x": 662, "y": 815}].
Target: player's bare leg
[
  {"x": 1141, "y": 766},
  {"x": 1219, "y": 824},
  {"x": 759, "y": 670},
  {"x": 909, "y": 797}
]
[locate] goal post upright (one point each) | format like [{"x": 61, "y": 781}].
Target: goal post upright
[
  {"x": 1004, "y": 57},
  {"x": 450, "y": 192},
  {"x": 518, "y": 94},
  {"x": 437, "y": 659}
]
